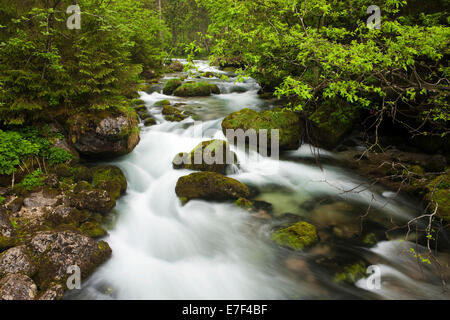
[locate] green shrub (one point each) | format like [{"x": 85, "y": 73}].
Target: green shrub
[
  {"x": 58, "y": 155},
  {"x": 14, "y": 148},
  {"x": 33, "y": 180},
  {"x": 17, "y": 146}
]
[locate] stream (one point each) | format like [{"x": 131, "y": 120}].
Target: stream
[{"x": 208, "y": 250}]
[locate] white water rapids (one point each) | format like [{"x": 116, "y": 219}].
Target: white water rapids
[{"x": 207, "y": 250}]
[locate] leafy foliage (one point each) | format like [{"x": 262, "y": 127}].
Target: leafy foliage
[
  {"x": 58, "y": 155},
  {"x": 315, "y": 50},
  {"x": 45, "y": 68},
  {"x": 17, "y": 146},
  {"x": 33, "y": 180},
  {"x": 14, "y": 148}
]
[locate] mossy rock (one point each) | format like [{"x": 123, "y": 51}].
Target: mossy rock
[
  {"x": 351, "y": 273},
  {"x": 104, "y": 134},
  {"x": 54, "y": 252},
  {"x": 212, "y": 156},
  {"x": 210, "y": 74},
  {"x": 63, "y": 170},
  {"x": 439, "y": 193},
  {"x": 244, "y": 203},
  {"x": 82, "y": 186},
  {"x": 144, "y": 116},
  {"x": 96, "y": 200},
  {"x": 149, "y": 122},
  {"x": 229, "y": 69},
  {"x": 141, "y": 108},
  {"x": 296, "y": 237},
  {"x": 93, "y": 230},
  {"x": 111, "y": 179},
  {"x": 176, "y": 66},
  {"x": 287, "y": 122},
  {"x": 171, "y": 85},
  {"x": 81, "y": 173},
  {"x": 162, "y": 103},
  {"x": 173, "y": 114},
  {"x": 210, "y": 186},
  {"x": 332, "y": 122},
  {"x": 196, "y": 89}
]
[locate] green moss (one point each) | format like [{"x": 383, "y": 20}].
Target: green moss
[
  {"x": 162, "y": 103},
  {"x": 370, "y": 239},
  {"x": 141, "y": 108},
  {"x": 416, "y": 170},
  {"x": 210, "y": 75},
  {"x": 332, "y": 121},
  {"x": 82, "y": 186},
  {"x": 196, "y": 89},
  {"x": 149, "y": 122},
  {"x": 6, "y": 243},
  {"x": 173, "y": 114},
  {"x": 81, "y": 173},
  {"x": 351, "y": 273},
  {"x": 66, "y": 184},
  {"x": 144, "y": 115},
  {"x": 111, "y": 179},
  {"x": 297, "y": 237},
  {"x": 171, "y": 86},
  {"x": 439, "y": 195},
  {"x": 287, "y": 122},
  {"x": 93, "y": 230},
  {"x": 229, "y": 69},
  {"x": 103, "y": 246},
  {"x": 63, "y": 170},
  {"x": 244, "y": 203},
  {"x": 210, "y": 186}
]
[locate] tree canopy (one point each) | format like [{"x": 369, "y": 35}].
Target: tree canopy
[
  {"x": 316, "y": 50},
  {"x": 46, "y": 67}
]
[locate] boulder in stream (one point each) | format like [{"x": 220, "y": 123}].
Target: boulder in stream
[
  {"x": 296, "y": 237},
  {"x": 210, "y": 186},
  {"x": 175, "y": 66},
  {"x": 196, "y": 89},
  {"x": 171, "y": 85},
  {"x": 287, "y": 122},
  {"x": 162, "y": 103},
  {"x": 173, "y": 114},
  {"x": 212, "y": 156}
]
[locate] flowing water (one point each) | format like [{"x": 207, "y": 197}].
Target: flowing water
[{"x": 207, "y": 250}]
